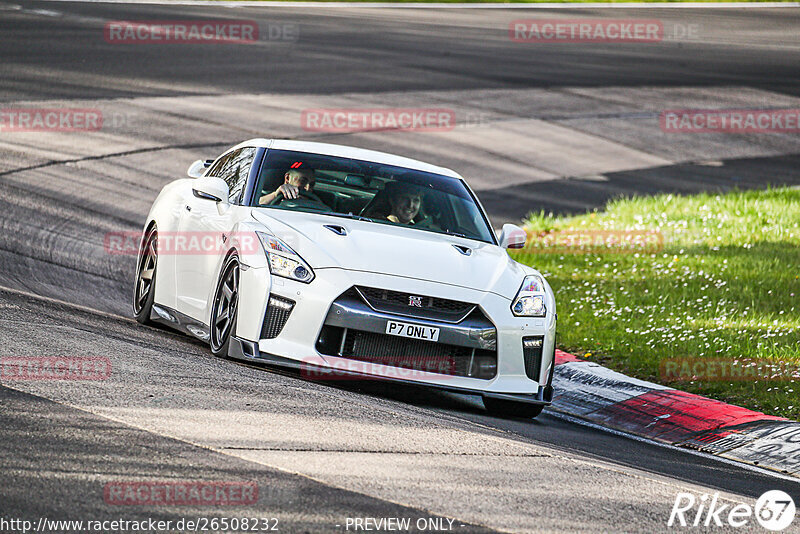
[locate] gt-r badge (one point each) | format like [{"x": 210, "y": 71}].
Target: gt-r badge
[{"x": 415, "y": 302}]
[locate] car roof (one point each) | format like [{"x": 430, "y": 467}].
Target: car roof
[{"x": 348, "y": 152}]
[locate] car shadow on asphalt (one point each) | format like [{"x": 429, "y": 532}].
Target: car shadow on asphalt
[{"x": 413, "y": 395}]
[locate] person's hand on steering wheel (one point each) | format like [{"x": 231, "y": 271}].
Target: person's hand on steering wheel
[
  {"x": 296, "y": 183},
  {"x": 285, "y": 191},
  {"x": 300, "y": 194},
  {"x": 289, "y": 191},
  {"x": 305, "y": 199}
]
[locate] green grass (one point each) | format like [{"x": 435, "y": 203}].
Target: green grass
[{"x": 725, "y": 286}]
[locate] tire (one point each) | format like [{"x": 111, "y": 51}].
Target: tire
[
  {"x": 144, "y": 289},
  {"x": 505, "y": 408},
  {"x": 223, "y": 311}
]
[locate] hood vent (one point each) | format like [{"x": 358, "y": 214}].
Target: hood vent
[
  {"x": 336, "y": 229},
  {"x": 466, "y": 251}
]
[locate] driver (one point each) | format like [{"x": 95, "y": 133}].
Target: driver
[
  {"x": 405, "y": 201},
  {"x": 294, "y": 181}
]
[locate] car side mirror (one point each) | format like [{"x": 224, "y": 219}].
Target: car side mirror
[
  {"x": 197, "y": 169},
  {"x": 211, "y": 188},
  {"x": 512, "y": 236}
]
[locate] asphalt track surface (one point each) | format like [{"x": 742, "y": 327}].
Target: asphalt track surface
[{"x": 556, "y": 127}]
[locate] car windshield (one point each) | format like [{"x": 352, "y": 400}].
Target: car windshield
[{"x": 369, "y": 191}]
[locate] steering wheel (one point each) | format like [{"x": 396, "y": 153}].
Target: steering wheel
[{"x": 306, "y": 199}]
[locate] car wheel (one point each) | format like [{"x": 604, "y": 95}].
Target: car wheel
[
  {"x": 505, "y": 408},
  {"x": 223, "y": 312},
  {"x": 144, "y": 291}
]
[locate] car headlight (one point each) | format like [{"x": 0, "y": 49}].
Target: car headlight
[
  {"x": 529, "y": 301},
  {"x": 283, "y": 261}
]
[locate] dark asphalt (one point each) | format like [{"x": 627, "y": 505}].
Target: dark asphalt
[
  {"x": 357, "y": 50},
  {"x": 57, "y": 461}
]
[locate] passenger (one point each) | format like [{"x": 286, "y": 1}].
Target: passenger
[
  {"x": 405, "y": 201},
  {"x": 294, "y": 181}
]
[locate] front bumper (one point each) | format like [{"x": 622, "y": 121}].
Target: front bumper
[
  {"x": 321, "y": 305},
  {"x": 247, "y": 350}
]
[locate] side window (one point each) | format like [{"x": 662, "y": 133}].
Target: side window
[
  {"x": 228, "y": 168},
  {"x": 239, "y": 171},
  {"x": 215, "y": 170},
  {"x": 235, "y": 170}
]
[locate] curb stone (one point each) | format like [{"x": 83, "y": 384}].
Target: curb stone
[{"x": 589, "y": 391}]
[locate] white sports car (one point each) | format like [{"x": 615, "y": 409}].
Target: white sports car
[{"x": 344, "y": 262}]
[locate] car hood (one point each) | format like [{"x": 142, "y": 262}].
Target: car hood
[{"x": 393, "y": 250}]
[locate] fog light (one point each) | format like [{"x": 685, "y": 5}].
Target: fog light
[
  {"x": 282, "y": 304},
  {"x": 529, "y": 343}
]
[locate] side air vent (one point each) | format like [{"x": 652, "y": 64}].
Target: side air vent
[
  {"x": 278, "y": 311},
  {"x": 532, "y": 352}
]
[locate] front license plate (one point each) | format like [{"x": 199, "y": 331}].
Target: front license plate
[{"x": 414, "y": 331}]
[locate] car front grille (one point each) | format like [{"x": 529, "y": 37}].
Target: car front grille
[
  {"x": 412, "y": 305},
  {"x": 395, "y": 351},
  {"x": 278, "y": 311}
]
